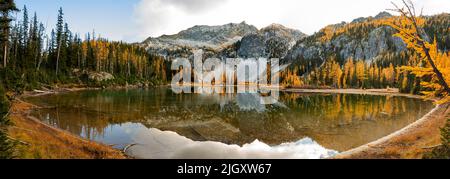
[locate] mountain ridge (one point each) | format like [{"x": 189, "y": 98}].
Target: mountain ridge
[
  {"x": 200, "y": 36},
  {"x": 364, "y": 38},
  {"x": 220, "y": 38}
]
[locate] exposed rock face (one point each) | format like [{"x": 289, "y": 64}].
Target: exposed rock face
[
  {"x": 252, "y": 46},
  {"x": 379, "y": 41},
  {"x": 380, "y": 15},
  {"x": 214, "y": 38},
  {"x": 383, "y": 14},
  {"x": 361, "y": 40},
  {"x": 272, "y": 41},
  {"x": 367, "y": 44},
  {"x": 227, "y": 41}
]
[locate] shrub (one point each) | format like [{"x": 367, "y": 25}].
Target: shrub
[
  {"x": 6, "y": 145},
  {"x": 4, "y": 107},
  {"x": 443, "y": 151}
]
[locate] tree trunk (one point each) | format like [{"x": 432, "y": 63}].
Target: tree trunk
[
  {"x": 39, "y": 63},
  {"x": 57, "y": 57},
  {"x": 128, "y": 69},
  {"x": 436, "y": 70},
  {"x": 422, "y": 35},
  {"x": 78, "y": 59},
  {"x": 5, "y": 54},
  {"x": 36, "y": 56},
  {"x": 438, "y": 73}
]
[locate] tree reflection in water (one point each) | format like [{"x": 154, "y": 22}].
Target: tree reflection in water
[{"x": 336, "y": 121}]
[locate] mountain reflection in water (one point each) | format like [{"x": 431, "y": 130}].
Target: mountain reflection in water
[
  {"x": 156, "y": 144},
  {"x": 335, "y": 121}
]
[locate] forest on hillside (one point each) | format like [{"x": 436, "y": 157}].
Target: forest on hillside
[
  {"x": 332, "y": 71},
  {"x": 32, "y": 59}
]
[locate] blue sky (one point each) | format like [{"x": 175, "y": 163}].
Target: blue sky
[
  {"x": 136, "y": 20},
  {"x": 109, "y": 18}
]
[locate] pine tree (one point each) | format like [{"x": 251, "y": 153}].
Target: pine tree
[
  {"x": 24, "y": 41},
  {"x": 59, "y": 38},
  {"x": 25, "y": 27},
  {"x": 40, "y": 44},
  {"x": 446, "y": 136},
  {"x": 34, "y": 44},
  {"x": 443, "y": 151},
  {"x": 6, "y": 7},
  {"x": 36, "y": 57}
]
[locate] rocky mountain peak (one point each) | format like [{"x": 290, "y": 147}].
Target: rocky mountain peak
[
  {"x": 383, "y": 14},
  {"x": 380, "y": 15},
  {"x": 201, "y": 36},
  {"x": 280, "y": 30},
  {"x": 271, "y": 41}
]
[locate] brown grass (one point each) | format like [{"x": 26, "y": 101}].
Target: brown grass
[
  {"x": 40, "y": 141},
  {"x": 411, "y": 142}
]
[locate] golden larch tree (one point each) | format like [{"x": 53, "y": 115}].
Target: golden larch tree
[{"x": 410, "y": 30}]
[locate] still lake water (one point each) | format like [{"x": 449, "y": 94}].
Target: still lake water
[{"x": 162, "y": 124}]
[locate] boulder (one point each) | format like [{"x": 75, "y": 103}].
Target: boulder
[{"x": 100, "y": 76}]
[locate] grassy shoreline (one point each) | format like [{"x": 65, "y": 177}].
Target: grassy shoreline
[
  {"x": 411, "y": 142},
  {"x": 41, "y": 141}
]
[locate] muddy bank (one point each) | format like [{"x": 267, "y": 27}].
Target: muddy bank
[
  {"x": 409, "y": 143},
  {"x": 40, "y": 141}
]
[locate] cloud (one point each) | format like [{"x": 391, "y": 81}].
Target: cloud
[
  {"x": 157, "y": 17},
  {"x": 194, "y": 6},
  {"x": 157, "y": 144}
]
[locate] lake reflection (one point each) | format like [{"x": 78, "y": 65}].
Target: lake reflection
[{"x": 335, "y": 121}]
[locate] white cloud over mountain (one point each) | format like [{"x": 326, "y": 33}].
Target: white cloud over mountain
[{"x": 157, "y": 17}]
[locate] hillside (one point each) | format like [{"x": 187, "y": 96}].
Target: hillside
[
  {"x": 367, "y": 39},
  {"x": 361, "y": 53}
]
